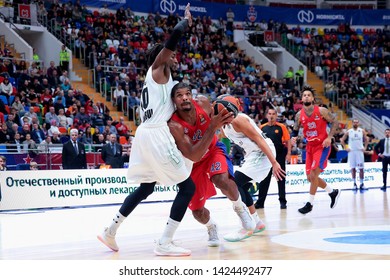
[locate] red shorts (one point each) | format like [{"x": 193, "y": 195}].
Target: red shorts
[
  {"x": 316, "y": 156},
  {"x": 215, "y": 162}
]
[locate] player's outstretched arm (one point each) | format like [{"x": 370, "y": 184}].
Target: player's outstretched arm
[
  {"x": 242, "y": 125},
  {"x": 170, "y": 45}
]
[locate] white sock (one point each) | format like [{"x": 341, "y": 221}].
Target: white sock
[
  {"x": 237, "y": 204},
  {"x": 210, "y": 223},
  {"x": 116, "y": 222},
  {"x": 354, "y": 180},
  {"x": 169, "y": 231},
  {"x": 311, "y": 199},
  {"x": 329, "y": 189},
  {"x": 256, "y": 217},
  {"x": 361, "y": 181}
]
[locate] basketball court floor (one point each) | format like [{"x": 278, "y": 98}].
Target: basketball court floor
[{"x": 358, "y": 228}]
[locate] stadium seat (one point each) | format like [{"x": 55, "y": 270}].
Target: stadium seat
[
  {"x": 63, "y": 130},
  {"x": 11, "y": 99},
  {"x": 23, "y": 166},
  {"x": 122, "y": 140},
  {"x": 4, "y": 99},
  {"x": 3, "y": 149},
  {"x": 12, "y": 81}
]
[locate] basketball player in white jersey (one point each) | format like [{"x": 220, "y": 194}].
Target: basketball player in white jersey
[
  {"x": 155, "y": 158},
  {"x": 357, "y": 144},
  {"x": 260, "y": 157}
]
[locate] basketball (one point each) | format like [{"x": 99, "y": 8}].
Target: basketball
[{"x": 220, "y": 104}]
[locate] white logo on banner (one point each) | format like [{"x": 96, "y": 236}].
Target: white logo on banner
[
  {"x": 305, "y": 16},
  {"x": 167, "y": 6}
]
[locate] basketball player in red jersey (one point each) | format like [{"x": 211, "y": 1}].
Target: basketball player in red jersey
[
  {"x": 314, "y": 120},
  {"x": 188, "y": 125}
]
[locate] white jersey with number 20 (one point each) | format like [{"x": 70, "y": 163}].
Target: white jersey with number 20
[{"x": 154, "y": 154}]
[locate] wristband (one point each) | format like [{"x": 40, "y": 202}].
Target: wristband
[{"x": 177, "y": 32}]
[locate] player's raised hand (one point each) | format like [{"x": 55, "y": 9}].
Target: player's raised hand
[{"x": 187, "y": 15}]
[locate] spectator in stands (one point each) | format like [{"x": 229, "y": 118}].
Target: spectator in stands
[
  {"x": 87, "y": 137},
  {"x": 24, "y": 129},
  {"x": 34, "y": 71},
  {"x": 15, "y": 144},
  {"x": 37, "y": 86},
  {"x": 63, "y": 77},
  {"x": 103, "y": 11},
  {"x": 97, "y": 119},
  {"x": 82, "y": 97},
  {"x": 72, "y": 111},
  {"x": 63, "y": 120},
  {"x": 59, "y": 103},
  {"x": 122, "y": 128},
  {"x": 3, "y": 165},
  {"x": 10, "y": 121},
  {"x": 46, "y": 99},
  {"x": 31, "y": 97},
  {"x": 82, "y": 116},
  {"x": 54, "y": 80},
  {"x": 99, "y": 75},
  {"x": 51, "y": 115},
  {"x": 37, "y": 134},
  {"x": 56, "y": 139},
  {"x": 43, "y": 146},
  {"x": 118, "y": 96},
  {"x": 4, "y": 133},
  {"x": 6, "y": 89},
  {"x": 66, "y": 86},
  {"x": 31, "y": 113},
  {"x": 51, "y": 69},
  {"x": 110, "y": 128},
  {"x": 34, "y": 166},
  {"x": 14, "y": 129},
  {"x": 101, "y": 140},
  {"x": 29, "y": 145},
  {"x": 53, "y": 127}
]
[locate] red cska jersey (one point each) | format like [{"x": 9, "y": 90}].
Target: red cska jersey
[
  {"x": 314, "y": 126},
  {"x": 196, "y": 132}
]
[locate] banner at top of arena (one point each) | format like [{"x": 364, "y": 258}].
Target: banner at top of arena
[{"x": 243, "y": 13}]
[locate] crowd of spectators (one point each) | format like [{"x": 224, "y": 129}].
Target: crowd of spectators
[{"x": 39, "y": 106}]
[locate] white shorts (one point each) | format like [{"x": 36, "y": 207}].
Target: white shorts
[
  {"x": 155, "y": 157},
  {"x": 356, "y": 159},
  {"x": 256, "y": 164}
]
